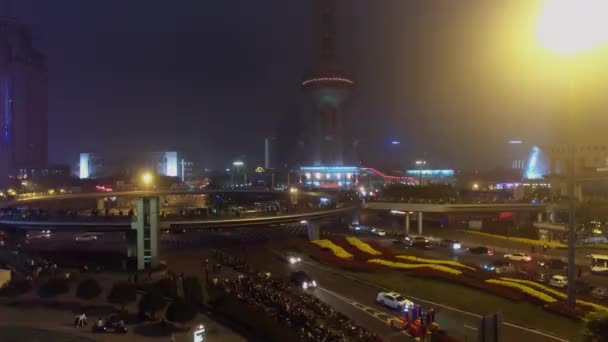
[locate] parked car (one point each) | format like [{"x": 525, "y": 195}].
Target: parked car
[
  {"x": 594, "y": 240},
  {"x": 87, "y": 237},
  {"x": 498, "y": 266},
  {"x": 554, "y": 264},
  {"x": 359, "y": 227},
  {"x": 541, "y": 277},
  {"x": 518, "y": 257},
  {"x": 421, "y": 242},
  {"x": 394, "y": 300},
  {"x": 303, "y": 280},
  {"x": 481, "y": 250},
  {"x": 378, "y": 231},
  {"x": 559, "y": 281},
  {"x": 582, "y": 287},
  {"x": 599, "y": 292},
  {"x": 450, "y": 244}
]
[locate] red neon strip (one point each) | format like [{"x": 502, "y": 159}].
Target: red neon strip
[{"x": 328, "y": 79}]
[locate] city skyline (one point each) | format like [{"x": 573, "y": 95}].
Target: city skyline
[{"x": 167, "y": 79}]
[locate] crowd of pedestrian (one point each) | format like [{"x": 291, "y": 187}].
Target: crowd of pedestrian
[{"x": 311, "y": 319}]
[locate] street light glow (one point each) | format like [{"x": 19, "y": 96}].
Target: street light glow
[
  {"x": 147, "y": 178},
  {"x": 569, "y": 27}
]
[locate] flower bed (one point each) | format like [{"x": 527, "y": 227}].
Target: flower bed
[
  {"x": 362, "y": 246},
  {"x": 337, "y": 250},
  {"x": 556, "y": 293},
  {"x": 356, "y": 252},
  {"x": 434, "y": 261},
  {"x": 543, "y": 297},
  {"x": 541, "y": 243},
  {"x": 414, "y": 266},
  {"x": 328, "y": 258}
]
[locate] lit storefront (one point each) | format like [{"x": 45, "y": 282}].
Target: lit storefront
[{"x": 329, "y": 176}]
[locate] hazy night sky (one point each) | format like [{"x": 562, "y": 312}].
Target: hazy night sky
[{"x": 214, "y": 77}]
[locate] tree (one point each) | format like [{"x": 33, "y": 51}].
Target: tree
[
  {"x": 193, "y": 292},
  {"x": 151, "y": 303},
  {"x": 122, "y": 294},
  {"x": 596, "y": 327},
  {"x": 88, "y": 289},
  {"x": 181, "y": 311},
  {"x": 167, "y": 287},
  {"x": 54, "y": 287}
]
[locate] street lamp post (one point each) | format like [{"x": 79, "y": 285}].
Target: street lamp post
[
  {"x": 147, "y": 179},
  {"x": 571, "y": 28}
]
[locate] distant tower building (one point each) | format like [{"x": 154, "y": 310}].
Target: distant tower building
[
  {"x": 328, "y": 86},
  {"x": 23, "y": 103}
]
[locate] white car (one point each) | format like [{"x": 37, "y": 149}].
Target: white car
[
  {"x": 379, "y": 232},
  {"x": 559, "y": 281},
  {"x": 359, "y": 228},
  {"x": 518, "y": 257},
  {"x": 86, "y": 237},
  {"x": 394, "y": 300}
]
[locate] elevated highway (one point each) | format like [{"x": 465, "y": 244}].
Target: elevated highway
[
  {"x": 127, "y": 223},
  {"x": 455, "y": 208}
]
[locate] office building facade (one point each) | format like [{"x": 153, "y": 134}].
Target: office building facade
[{"x": 23, "y": 103}]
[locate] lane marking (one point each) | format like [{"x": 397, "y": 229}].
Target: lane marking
[
  {"x": 435, "y": 304},
  {"x": 469, "y": 327},
  {"x": 366, "y": 309}
]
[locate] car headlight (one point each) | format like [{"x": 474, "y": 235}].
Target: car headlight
[
  {"x": 304, "y": 285},
  {"x": 314, "y": 283},
  {"x": 299, "y": 259},
  {"x": 292, "y": 260},
  {"x": 456, "y": 246}
]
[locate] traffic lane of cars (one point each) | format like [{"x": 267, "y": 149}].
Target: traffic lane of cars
[
  {"x": 457, "y": 322},
  {"x": 539, "y": 270}
]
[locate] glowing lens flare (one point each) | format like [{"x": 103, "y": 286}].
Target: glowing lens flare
[{"x": 572, "y": 26}]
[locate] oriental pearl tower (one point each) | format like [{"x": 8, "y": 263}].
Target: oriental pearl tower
[{"x": 328, "y": 87}]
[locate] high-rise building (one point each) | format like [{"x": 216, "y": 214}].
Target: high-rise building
[
  {"x": 173, "y": 164},
  {"x": 23, "y": 102}
]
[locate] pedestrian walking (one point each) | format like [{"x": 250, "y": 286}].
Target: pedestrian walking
[{"x": 545, "y": 248}]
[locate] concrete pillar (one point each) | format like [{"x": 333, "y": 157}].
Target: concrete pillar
[
  {"x": 420, "y": 223},
  {"x": 314, "y": 232},
  {"x": 539, "y": 217},
  {"x": 552, "y": 216},
  {"x": 146, "y": 226},
  {"x": 407, "y": 222}
]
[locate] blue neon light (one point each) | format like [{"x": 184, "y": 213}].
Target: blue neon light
[
  {"x": 431, "y": 173},
  {"x": 330, "y": 169},
  {"x": 396, "y": 142}
]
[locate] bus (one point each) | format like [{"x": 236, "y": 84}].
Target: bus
[{"x": 599, "y": 264}]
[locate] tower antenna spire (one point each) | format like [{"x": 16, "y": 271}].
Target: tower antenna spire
[{"x": 328, "y": 29}]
